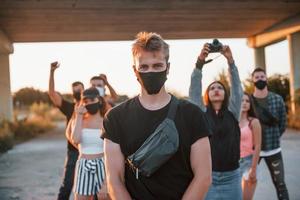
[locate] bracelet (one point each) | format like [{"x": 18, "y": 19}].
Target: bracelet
[{"x": 199, "y": 64}]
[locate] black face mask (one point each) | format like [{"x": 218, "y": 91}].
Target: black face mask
[
  {"x": 93, "y": 108},
  {"x": 260, "y": 84},
  {"x": 77, "y": 95},
  {"x": 153, "y": 81}
]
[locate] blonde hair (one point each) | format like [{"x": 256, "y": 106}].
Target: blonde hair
[{"x": 149, "y": 41}]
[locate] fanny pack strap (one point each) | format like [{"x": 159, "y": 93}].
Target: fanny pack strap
[
  {"x": 267, "y": 113},
  {"x": 173, "y": 108}
]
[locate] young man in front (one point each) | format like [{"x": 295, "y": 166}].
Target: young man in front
[
  {"x": 270, "y": 110},
  {"x": 187, "y": 174}
]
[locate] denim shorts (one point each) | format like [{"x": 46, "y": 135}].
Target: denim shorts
[
  {"x": 225, "y": 186},
  {"x": 245, "y": 165}
]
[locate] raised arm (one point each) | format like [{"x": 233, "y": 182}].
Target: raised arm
[
  {"x": 200, "y": 158},
  {"x": 195, "y": 90},
  {"x": 77, "y": 124},
  {"x": 113, "y": 94},
  {"x": 115, "y": 169},
  {"x": 54, "y": 96},
  {"x": 236, "y": 90}
]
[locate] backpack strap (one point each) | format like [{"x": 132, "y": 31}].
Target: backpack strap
[{"x": 173, "y": 108}]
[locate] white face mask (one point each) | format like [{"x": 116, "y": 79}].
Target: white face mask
[{"x": 101, "y": 91}]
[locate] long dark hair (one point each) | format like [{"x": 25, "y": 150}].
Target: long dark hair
[
  {"x": 250, "y": 112},
  {"x": 207, "y": 101}
]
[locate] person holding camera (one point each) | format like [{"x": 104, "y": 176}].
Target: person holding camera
[
  {"x": 156, "y": 146},
  {"x": 67, "y": 108},
  {"x": 222, "y": 113},
  {"x": 270, "y": 110}
]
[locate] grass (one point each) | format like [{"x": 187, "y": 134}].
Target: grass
[{"x": 35, "y": 120}]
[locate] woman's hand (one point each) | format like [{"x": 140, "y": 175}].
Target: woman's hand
[
  {"x": 226, "y": 51},
  {"x": 80, "y": 109},
  {"x": 204, "y": 52},
  {"x": 252, "y": 175}
]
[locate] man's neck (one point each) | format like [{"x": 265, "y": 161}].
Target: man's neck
[
  {"x": 156, "y": 101},
  {"x": 260, "y": 93}
]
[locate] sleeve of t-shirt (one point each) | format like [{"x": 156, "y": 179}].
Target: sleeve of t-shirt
[
  {"x": 66, "y": 108},
  {"x": 110, "y": 128},
  {"x": 197, "y": 123}
]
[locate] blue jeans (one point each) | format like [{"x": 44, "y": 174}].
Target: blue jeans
[
  {"x": 225, "y": 186},
  {"x": 245, "y": 166}
]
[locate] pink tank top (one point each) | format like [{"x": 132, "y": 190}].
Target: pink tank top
[{"x": 246, "y": 141}]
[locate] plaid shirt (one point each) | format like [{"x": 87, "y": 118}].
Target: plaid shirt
[{"x": 271, "y": 134}]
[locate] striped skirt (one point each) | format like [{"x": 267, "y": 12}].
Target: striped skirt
[{"x": 89, "y": 176}]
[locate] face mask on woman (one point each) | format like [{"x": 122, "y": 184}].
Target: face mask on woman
[{"x": 93, "y": 108}]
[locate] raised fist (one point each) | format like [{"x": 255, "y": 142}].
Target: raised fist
[{"x": 54, "y": 66}]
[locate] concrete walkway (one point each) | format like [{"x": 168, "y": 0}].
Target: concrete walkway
[{"x": 33, "y": 170}]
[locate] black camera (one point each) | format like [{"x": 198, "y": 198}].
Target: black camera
[{"x": 215, "y": 46}]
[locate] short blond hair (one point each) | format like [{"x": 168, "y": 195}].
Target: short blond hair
[{"x": 149, "y": 41}]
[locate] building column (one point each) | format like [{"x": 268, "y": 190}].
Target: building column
[
  {"x": 6, "y": 106},
  {"x": 294, "y": 50},
  {"x": 260, "y": 58}
]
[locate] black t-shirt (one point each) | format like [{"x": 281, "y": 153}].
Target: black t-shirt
[
  {"x": 67, "y": 108},
  {"x": 129, "y": 125}
]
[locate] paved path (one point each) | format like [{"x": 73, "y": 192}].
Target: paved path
[{"x": 33, "y": 170}]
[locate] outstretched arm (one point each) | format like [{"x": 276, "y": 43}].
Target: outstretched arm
[
  {"x": 113, "y": 94},
  {"x": 236, "y": 90},
  {"x": 195, "y": 90},
  {"x": 54, "y": 96}
]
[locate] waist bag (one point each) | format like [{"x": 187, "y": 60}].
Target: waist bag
[{"x": 159, "y": 147}]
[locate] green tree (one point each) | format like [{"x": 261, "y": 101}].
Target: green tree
[
  {"x": 28, "y": 95},
  {"x": 280, "y": 84}
]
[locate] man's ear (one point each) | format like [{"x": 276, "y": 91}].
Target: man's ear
[
  {"x": 135, "y": 71},
  {"x": 168, "y": 67}
]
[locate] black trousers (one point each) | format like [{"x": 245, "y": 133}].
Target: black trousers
[
  {"x": 68, "y": 176},
  {"x": 276, "y": 169}
]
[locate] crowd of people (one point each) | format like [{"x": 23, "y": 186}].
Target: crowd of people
[{"x": 156, "y": 146}]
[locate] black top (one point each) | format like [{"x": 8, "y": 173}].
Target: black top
[
  {"x": 129, "y": 125},
  {"x": 67, "y": 108},
  {"x": 225, "y": 140}
]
